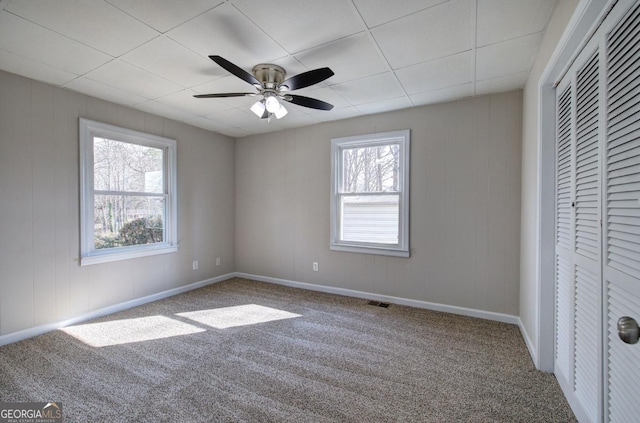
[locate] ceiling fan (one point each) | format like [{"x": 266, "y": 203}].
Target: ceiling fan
[{"x": 271, "y": 85}]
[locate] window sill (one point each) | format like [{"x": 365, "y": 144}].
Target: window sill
[
  {"x": 380, "y": 251},
  {"x": 126, "y": 255}
]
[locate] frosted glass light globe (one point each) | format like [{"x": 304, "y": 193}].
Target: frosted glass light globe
[
  {"x": 258, "y": 108},
  {"x": 272, "y": 104}
]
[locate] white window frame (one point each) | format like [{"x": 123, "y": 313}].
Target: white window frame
[
  {"x": 402, "y": 138},
  {"x": 88, "y": 253}
]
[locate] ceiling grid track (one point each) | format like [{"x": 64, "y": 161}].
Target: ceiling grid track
[{"x": 379, "y": 50}]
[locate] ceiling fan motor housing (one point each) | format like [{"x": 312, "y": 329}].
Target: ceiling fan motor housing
[{"x": 269, "y": 74}]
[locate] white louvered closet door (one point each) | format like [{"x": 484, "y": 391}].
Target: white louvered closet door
[
  {"x": 578, "y": 233},
  {"x": 598, "y": 221},
  {"x": 564, "y": 235},
  {"x": 622, "y": 214}
]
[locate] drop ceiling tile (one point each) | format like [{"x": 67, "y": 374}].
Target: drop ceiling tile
[
  {"x": 236, "y": 133},
  {"x": 88, "y": 22},
  {"x": 184, "y": 100},
  {"x": 367, "y": 90},
  {"x": 500, "y": 20},
  {"x": 225, "y": 32},
  {"x": 299, "y": 25},
  {"x": 216, "y": 126},
  {"x": 291, "y": 66},
  {"x": 384, "y": 106},
  {"x": 349, "y": 58},
  {"x": 226, "y": 84},
  {"x": 507, "y": 57},
  {"x": 376, "y": 12},
  {"x": 24, "y": 66},
  {"x": 294, "y": 111},
  {"x": 443, "y": 95},
  {"x": 266, "y": 128},
  {"x": 513, "y": 81},
  {"x": 334, "y": 114},
  {"x": 162, "y": 15},
  {"x": 27, "y": 39},
  {"x": 296, "y": 121},
  {"x": 325, "y": 94},
  {"x": 129, "y": 78},
  {"x": 440, "y": 73},
  {"x": 168, "y": 59},
  {"x": 164, "y": 110},
  {"x": 436, "y": 32},
  {"x": 96, "y": 89}
]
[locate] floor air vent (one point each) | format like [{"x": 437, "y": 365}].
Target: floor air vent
[{"x": 378, "y": 304}]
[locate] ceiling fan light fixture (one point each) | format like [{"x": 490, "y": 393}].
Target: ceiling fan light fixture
[
  {"x": 258, "y": 108},
  {"x": 272, "y": 104},
  {"x": 281, "y": 112}
]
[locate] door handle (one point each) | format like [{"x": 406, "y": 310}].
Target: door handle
[{"x": 628, "y": 330}]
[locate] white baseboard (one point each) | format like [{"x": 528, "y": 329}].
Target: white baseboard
[
  {"x": 48, "y": 327},
  {"x": 529, "y": 344},
  {"x": 482, "y": 314},
  {"x": 488, "y": 315}
]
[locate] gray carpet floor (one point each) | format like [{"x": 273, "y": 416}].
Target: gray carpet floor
[{"x": 242, "y": 350}]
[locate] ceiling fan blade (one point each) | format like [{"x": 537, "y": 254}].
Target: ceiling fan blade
[
  {"x": 235, "y": 70},
  {"x": 306, "y": 79},
  {"x": 224, "y": 95},
  {"x": 312, "y": 103}
]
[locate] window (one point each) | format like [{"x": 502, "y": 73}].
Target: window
[
  {"x": 128, "y": 193},
  {"x": 370, "y": 194}
]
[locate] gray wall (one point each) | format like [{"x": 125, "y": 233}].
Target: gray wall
[
  {"x": 261, "y": 205},
  {"x": 465, "y": 206},
  {"x": 40, "y": 278}
]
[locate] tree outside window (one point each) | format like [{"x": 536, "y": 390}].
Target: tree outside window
[{"x": 128, "y": 193}]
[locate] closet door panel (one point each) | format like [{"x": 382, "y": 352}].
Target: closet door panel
[
  {"x": 587, "y": 246},
  {"x": 564, "y": 354},
  {"x": 622, "y": 214}
]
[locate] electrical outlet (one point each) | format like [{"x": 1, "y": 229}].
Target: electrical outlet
[
  {"x": 218, "y": 261},
  {"x": 315, "y": 266},
  {"x": 195, "y": 265}
]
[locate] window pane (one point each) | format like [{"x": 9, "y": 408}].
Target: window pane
[
  {"x": 122, "y": 166},
  {"x": 371, "y": 169},
  {"x": 122, "y": 220},
  {"x": 370, "y": 218}
]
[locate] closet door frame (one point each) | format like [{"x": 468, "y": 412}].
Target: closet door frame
[{"x": 585, "y": 20}]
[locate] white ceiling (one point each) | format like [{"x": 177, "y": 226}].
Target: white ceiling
[{"x": 152, "y": 54}]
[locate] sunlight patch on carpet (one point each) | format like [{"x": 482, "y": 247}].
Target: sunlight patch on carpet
[
  {"x": 117, "y": 332},
  {"x": 228, "y": 317}
]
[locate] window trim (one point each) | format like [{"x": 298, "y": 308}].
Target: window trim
[
  {"x": 90, "y": 129},
  {"x": 382, "y": 138}
]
